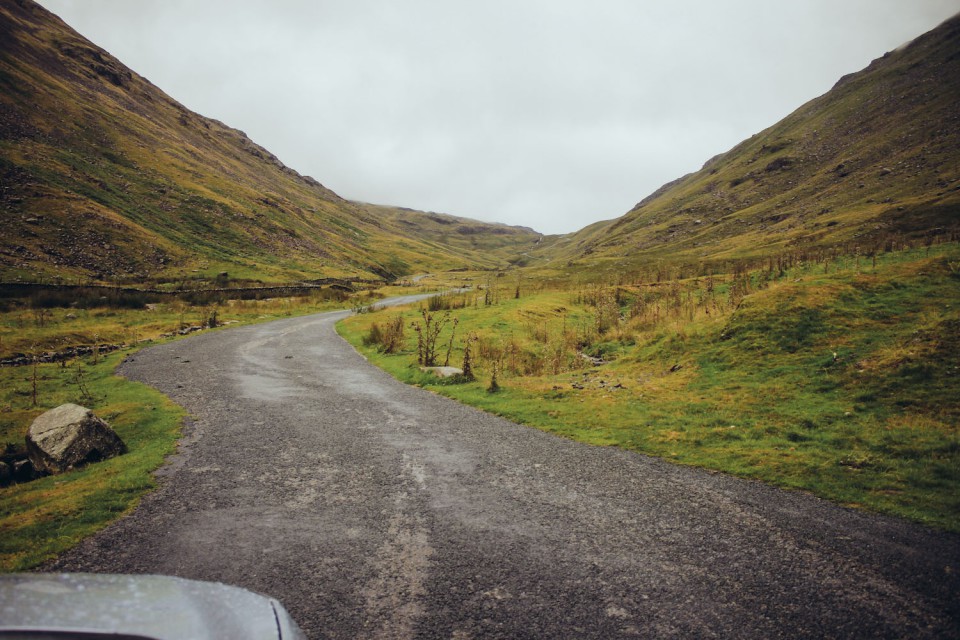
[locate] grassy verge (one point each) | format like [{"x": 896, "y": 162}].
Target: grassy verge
[
  {"x": 42, "y": 518},
  {"x": 839, "y": 379},
  {"x": 28, "y": 329}
]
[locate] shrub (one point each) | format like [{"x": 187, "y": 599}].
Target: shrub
[
  {"x": 387, "y": 339},
  {"x": 393, "y": 336},
  {"x": 374, "y": 337},
  {"x": 427, "y": 334},
  {"x": 468, "y": 357},
  {"x": 447, "y": 301}
]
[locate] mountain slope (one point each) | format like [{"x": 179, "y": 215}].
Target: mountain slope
[
  {"x": 875, "y": 157},
  {"x": 104, "y": 176},
  {"x": 490, "y": 243}
]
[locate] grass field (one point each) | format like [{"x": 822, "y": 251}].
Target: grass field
[{"x": 839, "y": 378}]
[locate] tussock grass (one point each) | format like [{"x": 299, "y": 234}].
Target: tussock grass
[
  {"x": 28, "y": 330},
  {"x": 840, "y": 381}
]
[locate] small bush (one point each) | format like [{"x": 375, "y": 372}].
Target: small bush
[
  {"x": 427, "y": 334},
  {"x": 447, "y": 301},
  {"x": 393, "y": 336},
  {"x": 374, "y": 337},
  {"x": 387, "y": 339}
]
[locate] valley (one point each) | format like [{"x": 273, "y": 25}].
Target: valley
[
  {"x": 778, "y": 328},
  {"x": 374, "y": 509}
]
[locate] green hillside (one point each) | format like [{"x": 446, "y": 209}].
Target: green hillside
[
  {"x": 488, "y": 244},
  {"x": 872, "y": 160},
  {"x": 105, "y": 177}
]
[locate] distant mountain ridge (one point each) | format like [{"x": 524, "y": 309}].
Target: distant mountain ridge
[
  {"x": 875, "y": 157},
  {"x": 104, "y": 176}
]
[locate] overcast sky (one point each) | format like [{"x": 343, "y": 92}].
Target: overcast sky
[{"x": 547, "y": 113}]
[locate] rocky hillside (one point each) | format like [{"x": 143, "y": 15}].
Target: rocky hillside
[
  {"x": 874, "y": 159},
  {"x": 105, "y": 177}
]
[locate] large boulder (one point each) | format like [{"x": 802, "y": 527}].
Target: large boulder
[{"x": 69, "y": 436}]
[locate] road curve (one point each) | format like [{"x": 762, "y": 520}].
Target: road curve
[{"x": 376, "y": 510}]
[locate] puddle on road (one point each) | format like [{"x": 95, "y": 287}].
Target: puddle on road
[{"x": 267, "y": 388}]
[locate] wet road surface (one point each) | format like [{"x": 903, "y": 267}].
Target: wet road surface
[{"x": 376, "y": 510}]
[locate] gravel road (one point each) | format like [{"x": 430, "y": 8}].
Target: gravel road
[{"x": 376, "y": 510}]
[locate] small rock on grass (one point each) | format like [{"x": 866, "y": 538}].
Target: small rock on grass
[{"x": 444, "y": 372}]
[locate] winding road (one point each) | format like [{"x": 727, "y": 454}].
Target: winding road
[{"x": 376, "y": 510}]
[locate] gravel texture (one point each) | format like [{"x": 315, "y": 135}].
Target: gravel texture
[{"x": 376, "y": 510}]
